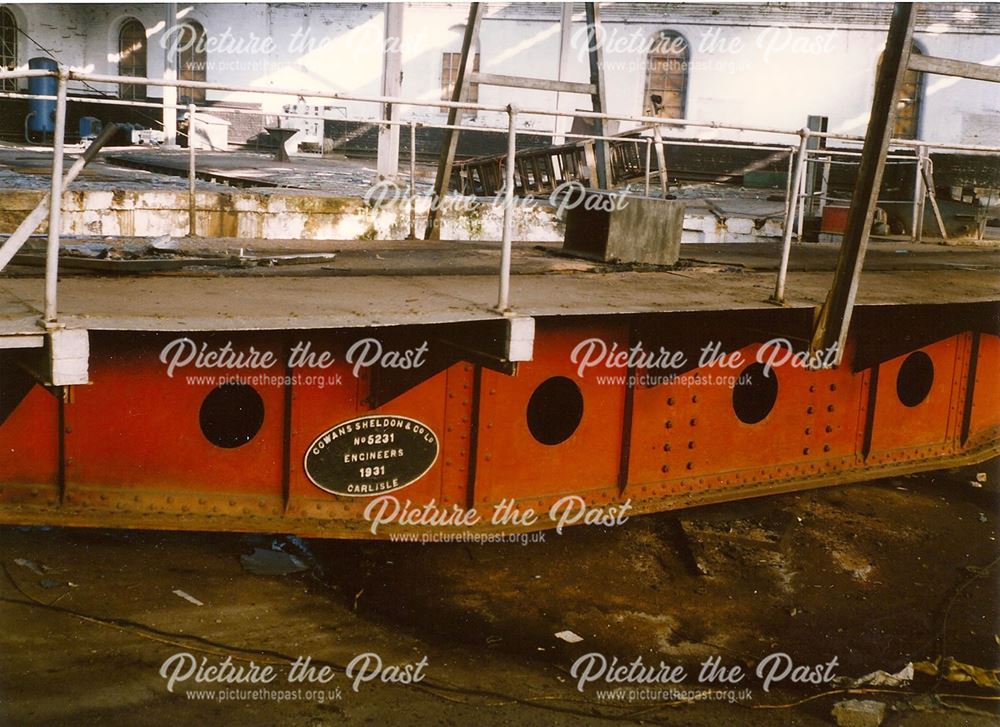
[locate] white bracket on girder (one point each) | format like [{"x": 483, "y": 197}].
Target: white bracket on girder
[{"x": 69, "y": 357}]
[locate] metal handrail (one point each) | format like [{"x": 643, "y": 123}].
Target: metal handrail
[
  {"x": 470, "y": 106},
  {"x": 798, "y": 155}
]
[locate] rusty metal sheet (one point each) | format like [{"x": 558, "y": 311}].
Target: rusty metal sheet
[
  {"x": 136, "y": 451},
  {"x": 545, "y": 431}
]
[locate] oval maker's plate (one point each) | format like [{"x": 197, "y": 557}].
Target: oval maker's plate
[{"x": 371, "y": 455}]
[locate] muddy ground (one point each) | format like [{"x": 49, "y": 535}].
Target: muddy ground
[{"x": 876, "y": 575}]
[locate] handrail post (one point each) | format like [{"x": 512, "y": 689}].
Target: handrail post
[
  {"x": 801, "y": 199},
  {"x": 192, "y": 195},
  {"x": 55, "y": 201},
  {"x": 792, "y": 204},
  {"x": 788, "y": 182},
  {"x": 503, "y": 303},
  {"x": 661, "y": 162},
  {"x": 413, "y": 180},
  {"x": 649, "y": 153},
  {"x": 824, "y": 185},
  {"x": 917, "y": 233}
]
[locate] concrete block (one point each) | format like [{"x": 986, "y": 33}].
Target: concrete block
[
  {"x": 96, "y": 200},
  {"x": 772, "y": 228},
  {"x": 740, "y": 225},
  {"x": 627, "y": 229},
  {"x": 858, "y": 713}
]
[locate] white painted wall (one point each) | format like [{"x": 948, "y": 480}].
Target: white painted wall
[{"x": 754, "y": 76}]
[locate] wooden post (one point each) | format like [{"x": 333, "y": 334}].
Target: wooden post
[
  {"x": 170, "y": 74},
  {"x": 562, "y": 123},
  {"x": 450, "y": 143},
  {"x": 413, "y": 181},
  {"x": 834, "y": 316},
  {"x": 192, "y": 176},
  {"x": 595, "y": 43},
  {"x": 387, "y": 163}
]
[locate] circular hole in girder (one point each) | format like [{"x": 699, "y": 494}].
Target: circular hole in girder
[
  {"x": 555, "y": 410},
  {"x": 915, "y": 378},
  {"x": 231, "y": 415},
  {"x": 755, "y": 393}
]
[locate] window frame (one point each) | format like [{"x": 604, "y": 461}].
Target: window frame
[
  {"x": 196, "y": 61},
  {"x": 655, "y": 54},
  {"x": 10, "y": 48},
  {"x": 127, "y": 65},
  {"x": 450, "y": 61}
]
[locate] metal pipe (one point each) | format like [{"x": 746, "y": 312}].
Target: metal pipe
[
  {"x": 917, "y": 232},
  {"x": 192, "y": 194},
  {"x": 802, "y": 196},
  {"x": 880, "y": 202},
  {"x": 825, "y": 153},
  {"x": 284, "y": 91},
  {"x": 824, "y": 186},
  {"x": 27, "y": 133},
  {"x": 932, "y": 195},
  {"x": 413, "y": 180},
  {"x": 378, "y": 99},
  {"x": 503, "y": 302},
  {"x": 388, "y": 122},
  {"x": 788, "y": 185},
  {"x": 923, "y": 197},
  {"x": 26, "y": 73},
  {"x": 55, "y": 201},
  {"x": 696, "y": 141},
  {"x": 307, "y": 93},
  {"x": 649, "y": 155},
  {"x": 786, "y": 242},
  {"x": 661, "y": 162},
  {"x": 969, "y": 148}
]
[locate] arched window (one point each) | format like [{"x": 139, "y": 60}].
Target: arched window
[
  {"x": 191, "y": 61},
  {"x": 449, "y": 67},
  {"x": 132, "y": 58},
  {"x": 8, "y": 47},
  {"x": 667, "y": 76},
  {"x": 911, "y": 99}
]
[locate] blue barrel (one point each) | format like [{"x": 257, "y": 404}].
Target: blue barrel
[
  {"x": 42, "y": 114},
  {"x": 90, "y": 127}
]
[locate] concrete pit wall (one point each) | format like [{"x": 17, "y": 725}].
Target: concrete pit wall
[{"x": 252, "y": 215}]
